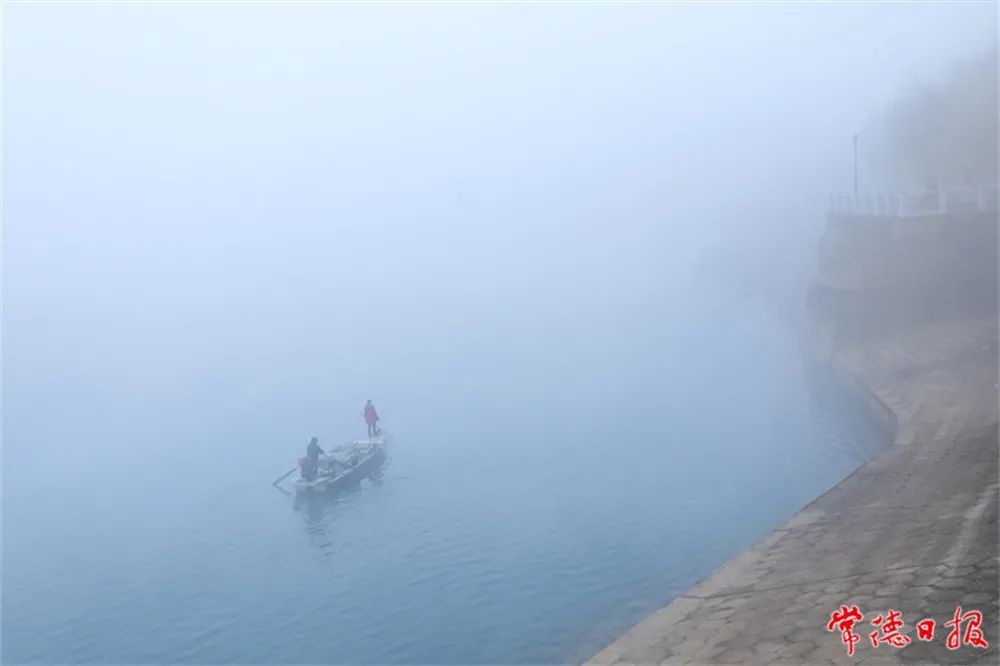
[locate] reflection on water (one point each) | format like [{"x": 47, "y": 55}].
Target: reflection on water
[
  {"x": 842, "y": 421},
  {"x": 319, "y": 509}
]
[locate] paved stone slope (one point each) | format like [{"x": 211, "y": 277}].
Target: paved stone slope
[{"x": 914, "y": 530}]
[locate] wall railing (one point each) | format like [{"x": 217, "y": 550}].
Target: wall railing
[{"x": 918, "y": 204}]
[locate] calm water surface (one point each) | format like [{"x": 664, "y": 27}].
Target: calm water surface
[{"x": 546, "y": 490}]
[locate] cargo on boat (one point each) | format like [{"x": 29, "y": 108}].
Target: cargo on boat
[{"x": 345, "y": 466}]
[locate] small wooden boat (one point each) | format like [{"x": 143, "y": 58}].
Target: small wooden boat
[{"x": 346, "y": 466}]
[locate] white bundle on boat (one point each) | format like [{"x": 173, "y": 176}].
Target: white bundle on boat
[{"x": 349, "y": 454}]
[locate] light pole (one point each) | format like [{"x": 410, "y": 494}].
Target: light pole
[{"x": 855, "y": 164}]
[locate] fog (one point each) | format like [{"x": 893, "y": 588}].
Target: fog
[
  {"x": 200, "y": 188},
  {"x": 940, "y": 130},
  {"x": 226, "y": 225}
]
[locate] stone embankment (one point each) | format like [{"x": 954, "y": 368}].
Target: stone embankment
[{"x": 915, "y": 529}]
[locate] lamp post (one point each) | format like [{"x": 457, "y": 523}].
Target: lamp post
[{"x": 855, "y": 165}]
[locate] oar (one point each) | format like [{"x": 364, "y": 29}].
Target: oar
[{"x": 283, "y": 476}]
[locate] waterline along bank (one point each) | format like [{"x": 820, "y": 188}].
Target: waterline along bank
[{"x": 915, "y": 529}]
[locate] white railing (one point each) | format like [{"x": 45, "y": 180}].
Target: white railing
[{"x": 917, "y": 204}]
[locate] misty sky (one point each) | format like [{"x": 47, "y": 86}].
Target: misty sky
[{"x": 191, "y": 188}]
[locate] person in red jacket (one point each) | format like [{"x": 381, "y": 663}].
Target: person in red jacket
[{"x": 371, "y": 418}]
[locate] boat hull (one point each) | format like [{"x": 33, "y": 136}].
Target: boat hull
[{"x": 367, "y": 466}]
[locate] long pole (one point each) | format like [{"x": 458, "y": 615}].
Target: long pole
[
  {"x": 283, "y": 476},
  {"x": 855, "y": 165}
]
